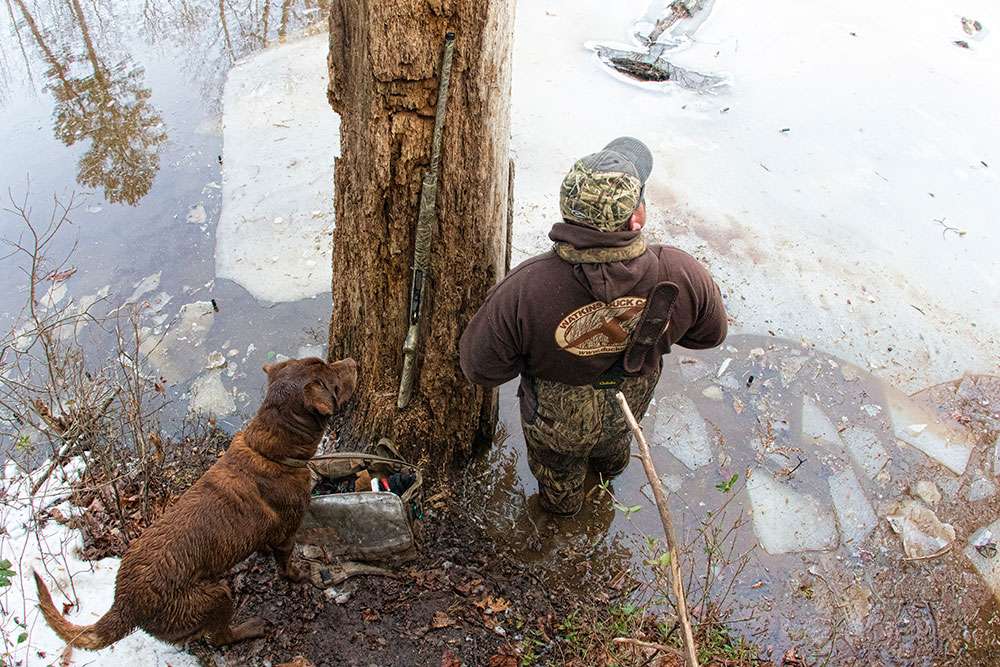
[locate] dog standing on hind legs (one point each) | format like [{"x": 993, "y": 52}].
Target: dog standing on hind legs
[{"x": 170, "y": 582}]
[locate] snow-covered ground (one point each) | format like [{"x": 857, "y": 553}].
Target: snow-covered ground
[{"x": 52, "y": 550}]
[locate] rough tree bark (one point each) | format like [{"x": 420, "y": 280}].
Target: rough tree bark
[{"x": 384, "y": 65}]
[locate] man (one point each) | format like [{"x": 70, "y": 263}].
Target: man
[{"x": 591, "y": 317}]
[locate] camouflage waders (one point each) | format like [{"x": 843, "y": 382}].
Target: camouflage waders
[{"x": 574, "y": 426}]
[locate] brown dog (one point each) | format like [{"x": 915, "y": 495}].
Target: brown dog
[{"x": 252, "y": 499}]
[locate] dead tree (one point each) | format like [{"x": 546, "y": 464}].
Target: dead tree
[{"x": 384, "y": 64}]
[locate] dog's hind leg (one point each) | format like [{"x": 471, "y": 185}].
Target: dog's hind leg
[{"x": 205, "y": 610}]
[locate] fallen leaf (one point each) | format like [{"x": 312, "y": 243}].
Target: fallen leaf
[
  {"x": 441, "y": 620},
  {"x": 492, "y": 605},
  {"x": 369, "y": 616},
  {"x": 449, "y": 659},
  {"x": 59, "y": 276},
  {"x": 504, "y": 661}
]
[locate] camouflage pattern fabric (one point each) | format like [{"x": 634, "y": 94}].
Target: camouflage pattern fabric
[
  {"x": 600, "y": 255},
  {"x": 579, "y": 426},
  {"x": 597, "y": 198}
]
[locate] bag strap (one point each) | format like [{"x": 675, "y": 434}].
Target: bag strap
[{"x": 653, "y": 321}]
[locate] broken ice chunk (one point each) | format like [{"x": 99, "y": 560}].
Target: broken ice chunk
[
  {"x": 670, "y": 484},
  {"x": 682, "y": 431},
  {"x": 713, "y": 392},
  {"x": 996, "y": 457},
  {"x": 948, "y": 446},
  {"x": 924, "y": 535},
  {"x": 197, "y": 215},
  {"x": 786, "y": 520},
  {"x": 144, "y": 286},
  {"x": 854, "y": 513},
  {"x": 866, "y": 450},
  {"x": 790, "y": 366},
  {"x": 171, "y": 354},
  {"x": 817, "y": 426},
  {"x": 209, "y": 396},
  {"x": 927, "y": 491},
  {"x": 980, "y": 489},
  {"x": 988, "y": 567}
]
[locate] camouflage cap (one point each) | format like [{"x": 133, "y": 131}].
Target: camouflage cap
[{"x": 603, "y": 189}]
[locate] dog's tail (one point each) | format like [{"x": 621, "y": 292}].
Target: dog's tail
[{"x": 109, "y": 628}]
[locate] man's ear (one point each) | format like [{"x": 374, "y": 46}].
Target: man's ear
[{"x": 318, "y": 399}]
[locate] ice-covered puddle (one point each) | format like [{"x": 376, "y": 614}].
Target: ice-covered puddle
[{"x": 824, "y": 453}]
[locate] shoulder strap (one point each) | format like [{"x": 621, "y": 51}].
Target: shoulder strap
[{"x": 653, "y": 321}]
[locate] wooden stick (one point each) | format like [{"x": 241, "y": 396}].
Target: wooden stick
[{"x": 691, "y": 653}]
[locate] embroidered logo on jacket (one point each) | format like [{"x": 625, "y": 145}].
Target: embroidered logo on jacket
[{"x": 600, "y": 328}]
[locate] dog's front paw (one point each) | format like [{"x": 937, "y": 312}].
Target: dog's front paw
[{"x": 294, "y": 574}]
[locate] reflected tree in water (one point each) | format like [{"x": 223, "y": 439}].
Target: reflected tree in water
[{"x": 108, "y": 106}]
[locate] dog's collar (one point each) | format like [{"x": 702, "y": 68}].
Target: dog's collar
[{"x": 288, "y": 461}]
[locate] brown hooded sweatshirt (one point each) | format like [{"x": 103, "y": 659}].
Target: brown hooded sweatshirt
[{"x": 567, "y": 315}]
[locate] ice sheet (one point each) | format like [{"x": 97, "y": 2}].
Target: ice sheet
[{"x": 280, "y": 138}]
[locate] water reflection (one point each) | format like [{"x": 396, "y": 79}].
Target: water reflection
[
  {"x": 109, "y": 106},
  {"x": 101, "y": 93}
]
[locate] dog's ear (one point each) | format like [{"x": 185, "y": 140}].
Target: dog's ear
[
  {"x": 318, "y": 399},
  {"x": 267, "y": 368}
]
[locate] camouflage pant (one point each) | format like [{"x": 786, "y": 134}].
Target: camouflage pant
[{"x": 574, "y": 427}]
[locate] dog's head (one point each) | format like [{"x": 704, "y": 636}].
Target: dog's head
[{"x": 308, "y": 391}]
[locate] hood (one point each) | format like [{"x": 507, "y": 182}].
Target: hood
[{"x": 606, "y": 281}]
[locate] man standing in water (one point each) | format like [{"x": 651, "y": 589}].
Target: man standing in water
[{"x": 587, "y": 319}]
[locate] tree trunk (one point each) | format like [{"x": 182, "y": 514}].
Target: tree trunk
[{"x": 384, "y": 63}]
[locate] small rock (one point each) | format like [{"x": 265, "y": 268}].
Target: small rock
[
  {"x": 342, "y": 598},
  {"x": 927, "y": 491}
]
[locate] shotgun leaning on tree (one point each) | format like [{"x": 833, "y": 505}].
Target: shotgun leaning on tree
[{"x": 426, "y": 221}]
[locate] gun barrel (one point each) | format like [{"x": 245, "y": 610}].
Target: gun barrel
[{"x": 426, "y": 220}]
